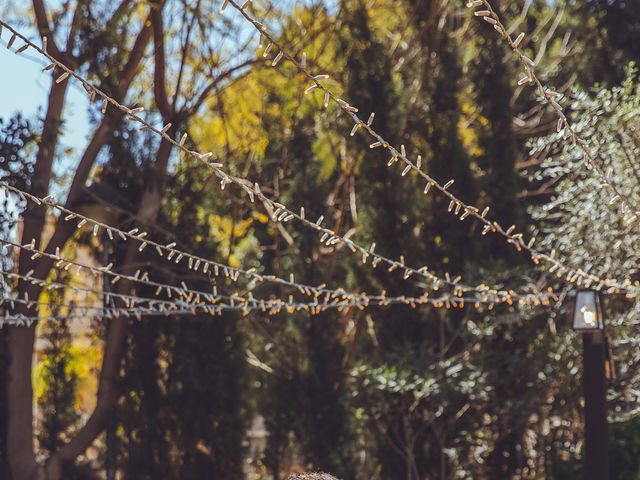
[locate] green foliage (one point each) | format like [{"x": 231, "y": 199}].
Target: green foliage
[
  {"x": 498, "y": 146},
  {"x": 183, "y": 414},
  {"x": 623, "y": 451},
  {"x": 59, "y": 382},
  {"x": 388, "y": 393}
]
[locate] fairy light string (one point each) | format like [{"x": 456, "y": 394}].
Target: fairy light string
[
  {"x": 170, "y": 253},
  {"x": 242, "y": 305},
  {"x": 195, "y": 299},
  {"x": 198, "y": 297},
  {"x": 547, "y": 96},
  {"x": 457, "y": 207},
  {"x": 134, "y": 304},
  {"x": 131, "y": 301},
  {"x": 210, "y": 267},
  {"x": 80, "y": 311},
  {"x": 109, "y": 299},
  {"x": 275, "y": 308},
  {"x": 280, "y": 213},
  {"x": 64, "y": 264},
  {"x": 283, "y": 214}
]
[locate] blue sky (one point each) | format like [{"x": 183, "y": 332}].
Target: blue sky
[{"x": 24, "y": 88}]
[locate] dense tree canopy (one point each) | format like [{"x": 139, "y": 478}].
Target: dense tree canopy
[{"x": 475, "y": 389}]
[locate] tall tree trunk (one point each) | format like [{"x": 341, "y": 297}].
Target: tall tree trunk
[
  {"x": 22, "y": 461},
  {"x": 20, "y": 391},
  {"x": 108, "y": 390}
]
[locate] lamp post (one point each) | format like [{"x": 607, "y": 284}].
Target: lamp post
[{"x": 588, "y": 318}]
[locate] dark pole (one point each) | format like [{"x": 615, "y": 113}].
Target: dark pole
[
  {"x": 595, "y": 407},
  {"x": 110, "y": 457}
]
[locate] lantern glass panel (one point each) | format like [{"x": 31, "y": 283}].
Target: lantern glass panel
[{"x": 587, "y": 314}]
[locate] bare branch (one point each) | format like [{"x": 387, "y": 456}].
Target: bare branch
[
  {"x": 44, "y": 28},
  {"x": 160, "y": 64}
]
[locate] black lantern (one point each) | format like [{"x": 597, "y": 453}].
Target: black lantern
[{"x": 587, "y": 311}]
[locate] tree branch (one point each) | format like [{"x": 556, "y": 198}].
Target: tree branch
[
  {"x": 100, "y": 137},
  {"x": 108, "y": 384},
  {"x": 185, "y": 52},
  {"x": 137, "y": 52},
  {"x": 45, "y": 30},
  {"x": 159, "y": 72}
]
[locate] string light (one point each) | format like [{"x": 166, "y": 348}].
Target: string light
[
  {"x": 458, "y": 207},
  {"x": 269, "y": 307},
  {"x": 328, "y": 235},
  {"x": 236, "y": 303},
  {"x": 170, "y": 291},
  {"x": 79, "y": 311},
  {"x": 108, "y": 298},
  {"x": 21, "y": 320},
  {"x": 155, "y": 306},
  {"x": 184, "y": 292},
  {"x": 194, "y": 261},
  {"x": 197, "y": 299},
  {"x": 547, "y": 96},
  {"x": 279, "y": 213},
  {"x": 170, "y": 253}
]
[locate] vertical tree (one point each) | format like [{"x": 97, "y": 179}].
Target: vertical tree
[
  {"x": 497, "y": 145},
  {"x": 324, "y": 425},
  {"x": 59, "y": 416},
  {"x": 16, "y": 137},
  {"x": 107, "y": 53},
  {"x": 187, "y": 371},
  {"x": 391, "y": 212},
  {"x": 75, "y": 52}
]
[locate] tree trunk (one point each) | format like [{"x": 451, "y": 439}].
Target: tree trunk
[
  {"x": 108, "y": 390},
  {"x": 19, "y": 391},
  {"x": 22, "y": 461}
]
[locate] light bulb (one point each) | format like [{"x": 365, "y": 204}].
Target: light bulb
[{"x": 588, "y": 315}]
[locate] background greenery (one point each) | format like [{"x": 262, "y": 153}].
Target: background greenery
[{"x": 395, "y": 393}]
